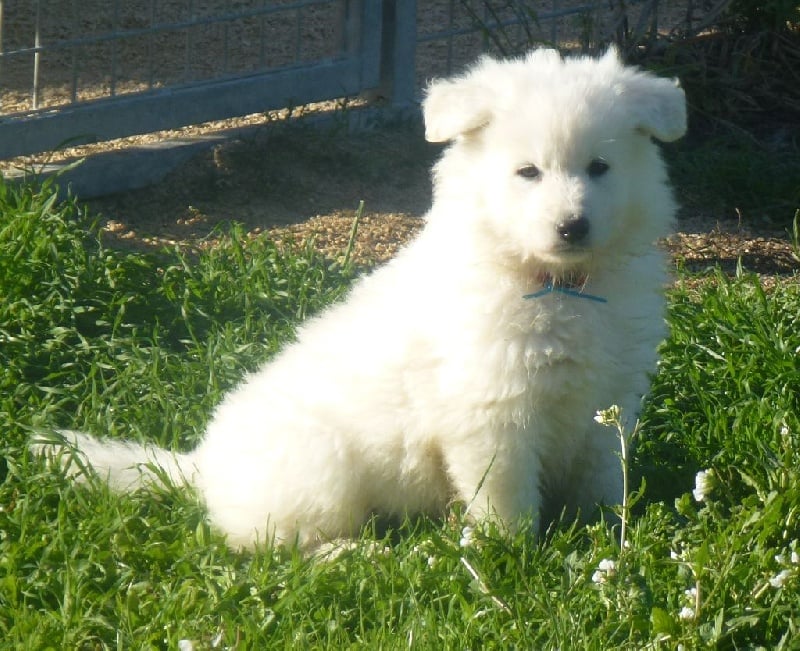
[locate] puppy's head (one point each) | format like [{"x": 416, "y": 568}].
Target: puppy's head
[{"x": 552, "y": 159}]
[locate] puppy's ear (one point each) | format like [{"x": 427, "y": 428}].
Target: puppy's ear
[
  {"x": 659, "y": 106},
  {"x": 455, "y": 107}
]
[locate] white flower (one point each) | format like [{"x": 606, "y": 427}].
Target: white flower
[
  {"x": 793, "y": 557},
  {"x": 608, "y": 566},
  {"x": 686, "y": 613},
  {"x": 185, "y": 645},
  {"x": 691, "y": 594},
  {"x": 467, "y": 536},
  {"x": 605, "y": 570},
  {"x": 780, "y": 578},
  {"x": 608, "y": 417},
  {"x": 703, "y": 484},
  {"x": 431, "y": 562}
]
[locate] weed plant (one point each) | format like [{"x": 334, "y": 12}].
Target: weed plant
[{"x": 143, "y": 346}]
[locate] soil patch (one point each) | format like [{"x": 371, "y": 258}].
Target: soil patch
[
  {"x": 296, "y": 181},
  {"x": 292, "y": 181}
]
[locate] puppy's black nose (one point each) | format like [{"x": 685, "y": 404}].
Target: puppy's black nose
[{"x": 574, "y": 229}]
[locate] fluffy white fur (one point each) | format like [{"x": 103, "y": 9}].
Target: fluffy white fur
[{"x": 437, "y": 380}]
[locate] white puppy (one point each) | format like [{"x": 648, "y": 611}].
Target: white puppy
[{"x": 470, "y": 367}]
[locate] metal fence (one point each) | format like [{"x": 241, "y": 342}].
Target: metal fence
[
  {"x": 76, "y": 71},
  {"x": 85, "y": 70}
]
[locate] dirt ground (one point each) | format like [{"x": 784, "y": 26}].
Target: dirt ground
[
  {"x": 292, "y": 181},
  {"x": 302, "y": 181}
]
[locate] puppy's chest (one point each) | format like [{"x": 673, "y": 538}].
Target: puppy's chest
[
  {"x": 552, "y": 330},
  {"x": 523, "y": 349},
  {"x": 517, "y": 348}
]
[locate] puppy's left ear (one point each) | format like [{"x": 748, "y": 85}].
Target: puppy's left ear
[
  {"x": 454, "y": 107},
  {"x": 659, "y": 106}
]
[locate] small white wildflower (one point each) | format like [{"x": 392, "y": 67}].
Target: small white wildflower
[
  {"x": 703, "y": 484},
  {"x": 795, "y": 558},
  {"x": 691, "y": 594},
  {"x": 467, "y": 536},
  {"x": 608, "y": 566},
  {"x": 431, "y": 562},
  {"x": 371, "y": 548},
  {"x": 686, "y": 613},
  {"x": 332, "y": 550},
  {"x": 605, "y": 570},
  {"x": 779, "y": 580},
  {"x": 784, "y": 430},
  {"x": 185, "y": 645},
  {"x": 608, "y": 417},
  {"x": 675, "y": 556}
]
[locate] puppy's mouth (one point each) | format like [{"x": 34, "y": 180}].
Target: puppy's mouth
[{"x": 565, "y": 256}]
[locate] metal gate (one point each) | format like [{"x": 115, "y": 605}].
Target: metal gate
[{"x": 78, "y": 71}]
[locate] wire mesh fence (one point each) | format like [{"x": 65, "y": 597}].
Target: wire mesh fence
[
  {"x": 59, "y": 52},
  {"x": 97, "y": 69}
]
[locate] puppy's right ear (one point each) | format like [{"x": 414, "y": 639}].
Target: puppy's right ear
[{"x": 455, "y": 107}]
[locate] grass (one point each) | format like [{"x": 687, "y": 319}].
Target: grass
[{"x": 143, "y": 346}]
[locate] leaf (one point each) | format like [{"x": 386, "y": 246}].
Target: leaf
[
  {"x": 662, "y": 622},
  {"x": 701, "y": 558}
]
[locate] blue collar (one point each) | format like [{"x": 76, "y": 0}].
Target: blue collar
[{"x": 561, "y": 288}]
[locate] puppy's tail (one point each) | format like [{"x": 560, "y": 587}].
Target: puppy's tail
[{"x": 125, "y": 465}]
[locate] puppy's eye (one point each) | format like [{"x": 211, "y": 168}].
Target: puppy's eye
[
  {"x": 597, "y": 167},
  {"x": 529, "y": 172}
]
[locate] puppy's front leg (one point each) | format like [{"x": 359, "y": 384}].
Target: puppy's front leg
[
  {"x": 598, "y": 473},
  {"x": 498, "y": 484}
]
